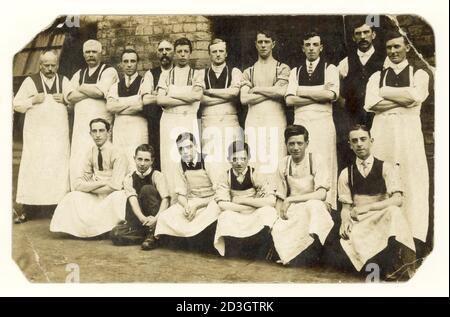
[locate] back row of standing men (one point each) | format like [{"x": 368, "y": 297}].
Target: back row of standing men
[{"x": 157, "y": 107}]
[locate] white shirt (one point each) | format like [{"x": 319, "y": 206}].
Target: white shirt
[
  {"x": 218, "y": 69},
  {"x": 368, "y": 165},
  {"x": 314, "y": 64},
  {"x": 363, "y": 58},
  {"x": 106, "y": 80},
  {"x": 396, "y": 67},
  {"x": 130, "y": 79}
]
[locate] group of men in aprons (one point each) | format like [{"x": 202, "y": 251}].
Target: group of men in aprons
[{"x": 161, "y": 158}]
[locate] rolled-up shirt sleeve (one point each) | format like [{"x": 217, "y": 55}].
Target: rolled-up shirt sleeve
[
  {"x": 392, "y": 178},
  {"x": 332, "y": 80},
  {"x": 164, "y": 81},
  {"x": 283, "y": 72},
  {"x": 66, "y": 88},
  {"x": 236, "y": 78},
  {"x": 198, "y": 79},
  {"x": 280, "y": 180},
  {"x": 88, "y": 170},
  {"x": 343, "y": 67},
  {"x": 120, "y": 168},
  {"x": 292, "y": 85},
  {"x": 161, "y": 185},
  {"x": 223, "y": 191},
  {"x": 180, "y": 182},
  {"x": 246, "y": 78},
  {"x": 113, "y": 92},
  {"x": 321, "y": 173},
  {"x": 107, "y": 79},
  {"x": 147, "y": 84},
  {"x": 264, "y": 187},
  {"x": 419, "y": 91},
  {"x": 128, "y": 186},
  {"x": 344, "y": 193},
  {"x": 372, "y": 92},
  {"x": 22, "y": 100}
]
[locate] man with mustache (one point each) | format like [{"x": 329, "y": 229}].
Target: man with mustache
[
  {"x": 90, "y": 88},
  {"x": 125, "y": 101},
  {"x": 152, "y": 110},
  {"x": 313, "y": 86},
  {"x": 44, "y": 167},
  {"x": 97, "y": 204},
  {"x": 395, "y": 94},
  {"x": 354, "y": 72}
]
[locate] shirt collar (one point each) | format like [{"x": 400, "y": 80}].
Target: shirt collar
[
  {"x": 243, "y": 173},
  {"x": 369, "y": 52},
  {"x": 368, "y": 161},
  {"x": 146, "y": 173},
  {"x": 48, "y": 81},
  {"x": 92, "y": 70},
  {"x": 396, "y": 67},
  {"x": 105, "y": 146},
  {"x": 218, "y": 69},
  {"x": 194, "y": 161},
  {"x": 314, "y": 64},
  {"x": 132, "y": 77}
]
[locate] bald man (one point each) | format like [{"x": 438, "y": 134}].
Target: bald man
[
  {"x": 90, "y": 87},
  {"x": 44, "y": 167}
]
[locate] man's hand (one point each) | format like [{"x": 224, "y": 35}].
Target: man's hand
[
  {"x": 149, "y": 221},
  {"x": 58, "y": 98},
  {"x": 284, "y": 209},
  {"x": 346, "y": 228},
  {"x": 357, "y": 211},
  {"x": 190, "y": 212},
  {"x": 39, "y": 98}
]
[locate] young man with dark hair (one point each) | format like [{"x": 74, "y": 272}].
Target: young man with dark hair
[
  {"x": 247, "y": 202},
  {"x": 194, "y": 215},
  {"x": 313, "y": 86},
  {"x": 125, "y": 101},
  {"x": 374, "y": 227},
  {"x": 147, "y": 195},
  {"x": 302, "y": 184},
  {"x": 98, "y": 203}
]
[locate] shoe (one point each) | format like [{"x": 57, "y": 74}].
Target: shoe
[
  {"x": 149, "y": 243},
  {"x": 20, "y": 219}
]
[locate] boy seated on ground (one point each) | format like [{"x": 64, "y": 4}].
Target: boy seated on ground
[{"x": 147, "y": 195}]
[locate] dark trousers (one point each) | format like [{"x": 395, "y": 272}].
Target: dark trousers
[
  {"x": 154, "y": 138},
  {"x": 38, "y": 211},
  {"x": 131, "y": 231},
  {"x": 256, "y": 246}
]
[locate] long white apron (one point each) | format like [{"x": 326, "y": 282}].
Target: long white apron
[
  {"x": 220, "y": 127},
  {"x": 294, "y": 235},
  {"x": 398, "y": 138},
  {"x": 44, "y": 166},
  {"x": 82, "y": 142},
  {"x": 264, "y": 132},
  {"x": 235, "y": 224},
  {"x": 318, "y": 120},
  {"x": 173, "y": 222},
  {"x": 129, "y": 132},
  {"x": 176, "y": 120},
  {"x": 370, "y": 234}
]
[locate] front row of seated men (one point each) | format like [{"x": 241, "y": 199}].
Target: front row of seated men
[{"x": 245, "y": 215}]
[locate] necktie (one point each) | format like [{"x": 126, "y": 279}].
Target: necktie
[
  {"x": 100, "y": 160},
  {"x": 127, "y": 81},
  {"x": 190, "y": 165},
  {"x": 310, "y": 68},
  {"x": 365, "y": 168},
  {"x": 240, "y": 178}
]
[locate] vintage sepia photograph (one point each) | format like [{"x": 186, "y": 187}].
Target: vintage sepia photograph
[{"x": 224, "y": 149}]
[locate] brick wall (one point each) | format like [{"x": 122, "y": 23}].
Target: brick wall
[{"x": 143, "y": 33}]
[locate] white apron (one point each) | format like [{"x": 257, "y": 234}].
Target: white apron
[
  {"x": 172, "y": 221},
  {"x": 220, "y": 127},
  {"x": 82, "y": 142},
  {"x": 370, "y": 234},
  {"x": 318, "y": 120},
  {"x": 88, "y": 215},
  {"x": 294, "y": 235},
  {"x": 44, "y": 166},
  {"x": 129, "y": 132},
  {"x": 235, "y": 224},
  {"x": 176, "y": 120},
  {"x": 398, "y": 138}
]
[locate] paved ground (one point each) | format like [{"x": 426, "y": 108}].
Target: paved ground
[{"x": 43, "y": 257}]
